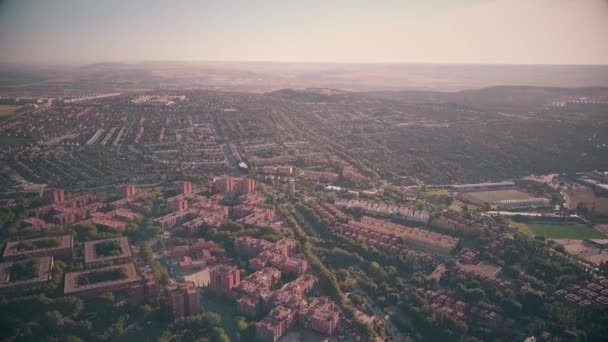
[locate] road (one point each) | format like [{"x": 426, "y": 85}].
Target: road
[
  {"x": 309, "y": 228},
  {"x": 378, "y": 313}
]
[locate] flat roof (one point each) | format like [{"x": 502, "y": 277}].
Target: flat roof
[
  {"x": 71, "y": 279},
  {"x": 45, "y": 268},
  {"x": 397, "y": 230},
  {"x": 90, "y": 254},
  {"x": 65, "y": 241},
  {"x": 459, "y": 186}
]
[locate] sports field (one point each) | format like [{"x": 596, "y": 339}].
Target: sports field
[
  {"x": 6, "y": 110},
  {"x": 492, "y": 197},
  {"x": 576, "y": 231}
]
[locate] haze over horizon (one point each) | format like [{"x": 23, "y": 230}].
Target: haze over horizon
[{"x": 439, "y": 31}]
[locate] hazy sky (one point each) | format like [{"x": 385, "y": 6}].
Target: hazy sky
[{"x": 433, "y": 31}]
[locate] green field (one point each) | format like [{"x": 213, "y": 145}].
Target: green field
[
  {"x": 577, "y": 231},
  {"x": 457, "y": 205},
  {"x": 438, "y": 192}
]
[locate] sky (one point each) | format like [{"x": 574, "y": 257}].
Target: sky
[{"x": 375, "y": 31}]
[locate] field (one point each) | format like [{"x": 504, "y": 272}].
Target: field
[
  {"x": 582, "y": 194},
  {"x": 577, "y": 231},
  {"x": 457, "y": 205},
  {"x": 13, "y": 141},
  {"x": 6, "y": 110},
  {"x": 584, "y": 250},
  {"x": 488, "y": 269},
  {"x": 438, "y": 192},
  {"x": 481, "y": 197}
]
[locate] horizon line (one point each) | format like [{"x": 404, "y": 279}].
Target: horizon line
[{"x": 134, "y": 62}]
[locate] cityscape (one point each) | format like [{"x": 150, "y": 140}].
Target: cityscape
[{"x": 260, "y": 200}]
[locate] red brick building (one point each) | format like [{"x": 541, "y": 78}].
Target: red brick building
[
  {"x": 224, "y": 184},
  {"x": 184, "y": 300},
  {"x": 248, "y": 246},
  {"x": 130, "y": 285},
  {"x": 128, "y": 190},
  {"x": 58, "y": 195},
  {"x": 274, "y": 326},
  {"x": 184, "y": 187},
  {"x": 223, "y": 278},
  {"x": 322, "y": 315},
  {"x": 245, "y": 186},
  {"x": 55, "y": 246}
]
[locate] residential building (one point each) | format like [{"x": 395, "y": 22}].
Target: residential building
[
  {"x": 321, "y": 315},
  {"x": 224, "y": 278},
  {"x": 184, "y": 187},
  {"x": 224, "y": 184},
  {"x": 43, "y": 269},
  {"x": 275, "y": 325},
  {"x": 85, "y": 284},
  {"x": 105, "y": 250},
  {"x": 250, "y": 247},
  {"x": 374, "y": 230},
  {"x": 55, "y": 246},
  {"x": 292, "y": 187},
  {"x": 184, "y": 300},
  {"x": 58, "y": 195},
  {"x": 245, "y": 186},
  {"x": 128, "y": 190}
]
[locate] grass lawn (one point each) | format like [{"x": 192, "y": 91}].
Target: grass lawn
[
  {"x": 457, "y": 205},
  {"x": 438, "y": 192},
  {"x": 577, "y": 231},
  {"x": 521, "y": 227}
]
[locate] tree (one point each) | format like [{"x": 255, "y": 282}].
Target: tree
[
  {"x": 582, "y": 208},
  {"x": 475, "y": 295},
  {"x": 356, "y": 299},
  {"x": 211, "y": 319},
  {"x": 511, "y": 306},
  {"x": 146, "y": 312},
  {"x": 232, "y": 226},
  {"x": 219, "y": 335},
  {"x": 242, "y": 325},
  {"x": 375, "y": 266}
]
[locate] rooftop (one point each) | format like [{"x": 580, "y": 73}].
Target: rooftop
[
  {"x": 28, "y": 246},
  {"x": 71, "y": 279},
  {"x": 92, "y": 252},
  {"x": 397, "y": 230},
  {"x": 42, "y": 272}
]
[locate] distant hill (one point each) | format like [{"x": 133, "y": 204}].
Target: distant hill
[
  {"x": 262, "y": 77},
  {"x": 509, "y": 98},
  {"x": 309, "y": 95}
]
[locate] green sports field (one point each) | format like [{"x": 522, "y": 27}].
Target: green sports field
[{"x": 576, "y": 231}]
